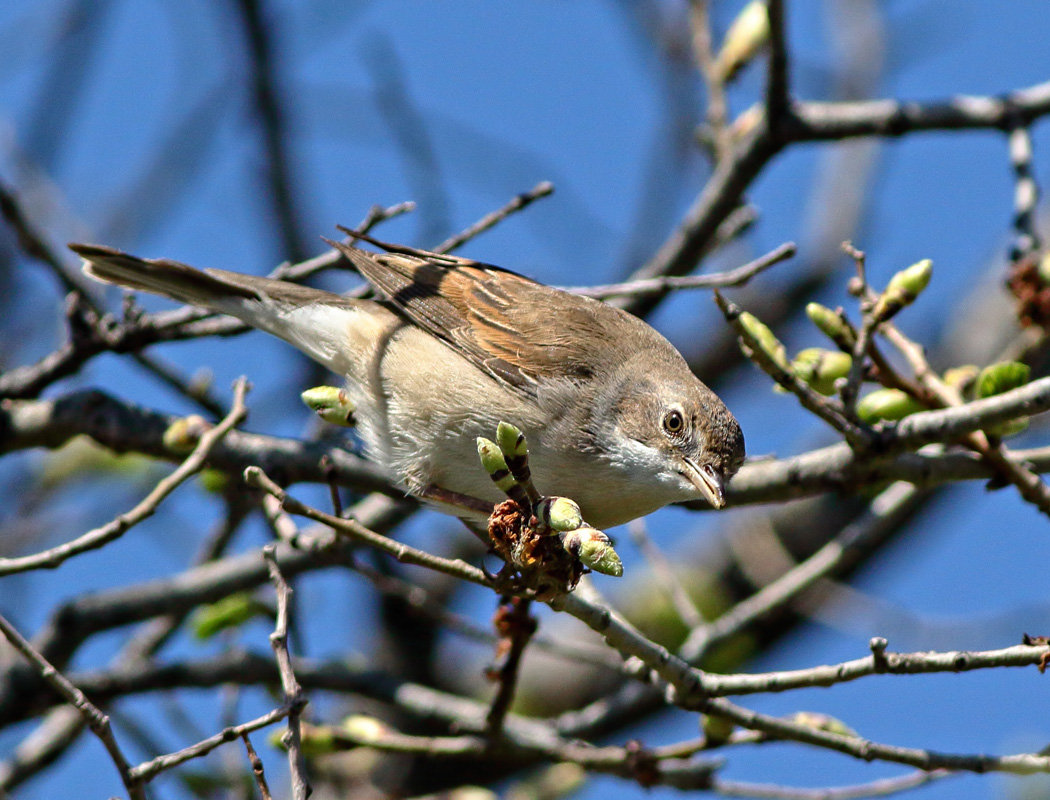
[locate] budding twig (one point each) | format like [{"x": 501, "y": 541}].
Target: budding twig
[{"x": 810, "y": 399}]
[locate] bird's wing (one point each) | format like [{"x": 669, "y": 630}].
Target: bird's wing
[{"x": 517, "y": 330}]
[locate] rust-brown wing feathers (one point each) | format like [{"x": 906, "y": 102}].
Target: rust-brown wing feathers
[{"x": 517, "y": 330}]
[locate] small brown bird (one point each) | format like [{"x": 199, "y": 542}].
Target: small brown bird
[{"x": 614, "y": 418}]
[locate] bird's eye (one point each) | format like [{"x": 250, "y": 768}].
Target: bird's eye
[{"x": 674, "y": 421}]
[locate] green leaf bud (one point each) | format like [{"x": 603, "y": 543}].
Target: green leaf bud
[
  {"x": 822, "y": 722},
  {"x": 887, "y": 404},
  {"x": 594, "y": 549},
  {"x": 716, "y": 730},
  {"x": 903, "y": 289},
  {"x": 999, "y": 378},
  {"x": 185, "y": 433},
  {"x": 364, "y": 729},
  {"x": 832, "y": 325},
  {"x": 495, "y": 464},
  {"x": 746, "y": 36},
  {"x": 560, "y": 513},
  {"x": 821, "y": 368},
  {"x": 331, "y": 404},
  {"x": 316, "y": 740},
  {"x": 511, "y": 440},
  {"x": 1002, "y": 377},
  {"x": 1043, "y": 269},
  {"x": 214, "y": 480},
  {"x": 765, "y": 338}
]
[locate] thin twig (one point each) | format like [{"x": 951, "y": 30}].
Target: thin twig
[
  {"x": 838, "y": 120},
  {"x": 859, "y": 286},
  {"x": 294, "y": 699},
  {"x": 332, "y": 257},
  {"x": 880, "y": 662},
  {"x": 1029, "y": 485},
  {"x": 149, "y": 770},
  {"x": 257, "y": 768},
  {"x": 1026, "y": 194},
  {"x": 716, "y": 280},
  {"x": 96, "y": 720},
  {"x": 867, "y": 750},
  {"x": 665, "y": 576},
  {"x": 516, "y": 628},
  {"x": 778, "y": 100},
  {"x": 98, "y": 537},
  {"x": 492, "y": 219},
  {"x": 703, "y": 51},
  {"x": 886, "y": 509},
  {"x": 458, "y": 568},
  {"x": 808, "y": 397}
]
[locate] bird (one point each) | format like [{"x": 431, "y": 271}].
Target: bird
[{"x": 449, "y": 347}]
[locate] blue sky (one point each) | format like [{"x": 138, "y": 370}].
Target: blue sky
[{"x": 507, "y": 95}]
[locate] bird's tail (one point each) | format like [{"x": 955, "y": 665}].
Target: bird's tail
[
  {"x": 168, "y": 278},
  {"x": 315, "y": 321}
]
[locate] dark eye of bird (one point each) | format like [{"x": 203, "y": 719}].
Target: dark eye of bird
[{"x": 673, "y": 421}]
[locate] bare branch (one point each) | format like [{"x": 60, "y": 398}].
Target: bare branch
[
  {"x": 257, "y": 768},
  {"x": 716, "y": 280},
  {"x": 521, "y": 201},
  {"x": 778, "y": 100},
  {"x": 294, "y": 699},
  {"x": 96, "y": 720},
  {"x": 885, "y": 510},
  {"x": 866, "y": 750},
  {"x": 99, "y": 537},
  {"x": 816, "y": 121},
  {"x": 516, "y": 628},
  {"x": 255, "y": 477},
  {"x": 1026, "y": 194}
]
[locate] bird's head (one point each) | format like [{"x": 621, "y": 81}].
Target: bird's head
[{"x": 672, "y": 426}]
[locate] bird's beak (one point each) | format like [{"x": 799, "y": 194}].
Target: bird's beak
[{"x": 707, "y": 480}]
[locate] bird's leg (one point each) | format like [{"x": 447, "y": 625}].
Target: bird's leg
[{"x": 447, "y": 497}]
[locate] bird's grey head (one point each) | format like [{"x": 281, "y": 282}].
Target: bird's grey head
[{"x": 678, "y": 429}]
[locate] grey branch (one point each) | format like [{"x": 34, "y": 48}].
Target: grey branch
[
  {"x": 99, "y": 537},
  {"x": 96, "y": 720},
  {"x": 294, "y": 699}
]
